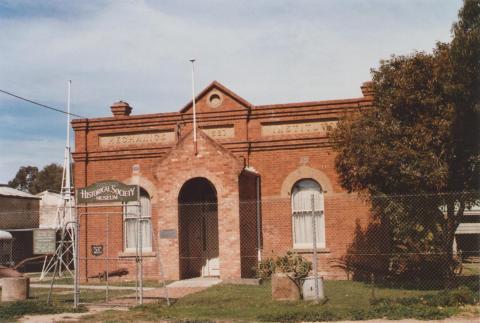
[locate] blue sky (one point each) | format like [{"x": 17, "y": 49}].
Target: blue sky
[{"x": 269, "y": 51}]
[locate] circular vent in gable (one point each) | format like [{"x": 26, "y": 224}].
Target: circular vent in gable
[{"x": 215, "y": 99}]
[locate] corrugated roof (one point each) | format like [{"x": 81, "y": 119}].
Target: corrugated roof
[{"x": 8, "y": 191}]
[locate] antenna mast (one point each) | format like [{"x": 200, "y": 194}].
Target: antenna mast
[{"x": 64, "y": 259}]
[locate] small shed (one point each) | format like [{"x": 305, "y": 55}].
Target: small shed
[{"x": 19, "y": 214}]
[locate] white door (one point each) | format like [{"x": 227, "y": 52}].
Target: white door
[{"x": 211, "y": 265}]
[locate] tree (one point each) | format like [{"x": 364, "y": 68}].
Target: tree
[
  {"x": 24, "y": 178},
  {"x": 29, "y": 179},
  {"x": 422, "y": 135},
  {"x": 49, "y": 178}
]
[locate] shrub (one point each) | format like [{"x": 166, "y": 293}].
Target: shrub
[
  {"x": 265, "y": 268},
  {"x": 296, "y": 266}
]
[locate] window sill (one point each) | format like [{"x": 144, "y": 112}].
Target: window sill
[
  {"x": 131, "y": 254},
  {"x": 310, "y": 250}
]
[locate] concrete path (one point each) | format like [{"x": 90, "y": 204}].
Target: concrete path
[
  {"x": 195, "y": 283},
  {"x": 175, "y": 290}
]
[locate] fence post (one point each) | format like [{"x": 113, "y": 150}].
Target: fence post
[
  {"x": 314, "y": 240},
  {"x": 139, "y": 241},
  {"x": 107, "y": 267},
  {"x": 76, "y": 258}
]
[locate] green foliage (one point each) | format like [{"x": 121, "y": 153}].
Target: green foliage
[
  {"x": 265, "y": 268},
  {"x": 24, "y": 178},
  {"x": 296, "y": 266},
  {"x": 422, "y": 134},
  {"x": 447, "y": 298},
  {"x": 391, "y": 312},
  {"x": 30, "y": 179},
  {"x": 293, "y": 264},
  {"x": 420, "y": 140}
]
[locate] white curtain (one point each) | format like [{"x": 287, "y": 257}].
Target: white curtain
[
  {"x": 131, "y": 221},
  {"x": 302, "y": 214},
  {"x": 130, "y": 234}
]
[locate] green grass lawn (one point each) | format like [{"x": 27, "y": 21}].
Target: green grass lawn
[
  {"x": 62, "y": 302},
  {"x": 346, "y": 300}
]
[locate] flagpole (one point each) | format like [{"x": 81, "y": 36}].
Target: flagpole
[{"x": 194, "y": 107}]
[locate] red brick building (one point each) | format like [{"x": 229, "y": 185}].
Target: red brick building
[{"x": 247, "y": 185}]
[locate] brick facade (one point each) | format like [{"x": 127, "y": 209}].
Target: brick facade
[{"x": 239, "y": 147}]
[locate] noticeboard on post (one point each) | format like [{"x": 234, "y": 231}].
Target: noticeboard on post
[
  {"x": 108, "y": 192},
  {"x": 44, "y": 241}
]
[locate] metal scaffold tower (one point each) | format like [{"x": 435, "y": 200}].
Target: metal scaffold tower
[{"x": 64, "y": 261}]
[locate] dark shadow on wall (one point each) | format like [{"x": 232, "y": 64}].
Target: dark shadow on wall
[{"x": 402, "y": 245}]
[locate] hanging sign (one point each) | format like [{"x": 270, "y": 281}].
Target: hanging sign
[
  {"x": 44, "y": 241},
  {"x": 106, "y": 192}
]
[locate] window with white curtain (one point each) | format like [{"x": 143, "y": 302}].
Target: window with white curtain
[
  {"x": 302, "y": 214},
  {"x": 133, "y": 220}
]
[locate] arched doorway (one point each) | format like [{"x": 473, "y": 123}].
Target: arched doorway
[{"x": 198, "y": 229}]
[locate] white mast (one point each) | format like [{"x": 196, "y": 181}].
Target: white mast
[
  {"x": 194, "y": 107},
  {"x": 68, "y": 181},
  {"x": 64, "y": 256}
]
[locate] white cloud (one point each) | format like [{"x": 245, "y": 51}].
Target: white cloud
[
  {"x": 267, "y": 51},
  {"x": 137, "y": 51}
]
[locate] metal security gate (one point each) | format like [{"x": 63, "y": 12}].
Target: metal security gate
[
  {"x": 104, "y": 263},
  {"x": 109, "y": 244}
]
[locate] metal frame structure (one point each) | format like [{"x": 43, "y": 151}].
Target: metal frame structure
[{"x": 107, "y": 258}]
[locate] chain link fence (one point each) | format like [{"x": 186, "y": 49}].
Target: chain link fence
[
  {"x": 422, "y": 241},
  {"x": 428, "y": 241}
]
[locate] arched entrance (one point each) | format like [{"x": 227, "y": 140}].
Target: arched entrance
[{"x": 198, "y": 229}]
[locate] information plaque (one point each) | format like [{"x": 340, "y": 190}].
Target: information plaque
[{"x": 44, "y": 241}]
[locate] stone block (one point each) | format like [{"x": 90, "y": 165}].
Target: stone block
[
  {"x": 284, "y": 288},
  {"x": 15, "y": 289}
]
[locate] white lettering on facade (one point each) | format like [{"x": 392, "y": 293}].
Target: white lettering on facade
[
  {"x": 137, "y": 139},
  {"x": 317, "y": 127},
  {"x": 220, "y": 133}
]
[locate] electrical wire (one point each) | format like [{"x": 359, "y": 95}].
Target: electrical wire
[{"x": 40, "y": 104}]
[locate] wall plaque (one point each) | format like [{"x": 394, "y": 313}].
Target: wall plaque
[
  {"x": 168, "y": 234},
  {"x": 137, "y": 139},
  {"x": 219, "y": 132},
  {"x": 97, "y": 250},
  {"x": 44, "y": 241},
  {"x": 108, "y": 191},
  {"x": 294, "y": 128}
]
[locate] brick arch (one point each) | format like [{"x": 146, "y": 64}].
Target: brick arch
[
  {"x": 305, "y": 172},
  {"x": 182, "y": 178}
]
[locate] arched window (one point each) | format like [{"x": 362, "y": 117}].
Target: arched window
[
  {"x": 302, "y": 215},
  {"x": 132, "y": 219}
]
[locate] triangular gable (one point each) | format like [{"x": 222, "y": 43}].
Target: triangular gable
[
  {"x": 202, "y": 140},
  {"x": 221, "y": 88}
]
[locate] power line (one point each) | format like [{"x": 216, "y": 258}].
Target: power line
[{"x": 40, "y": 104}]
